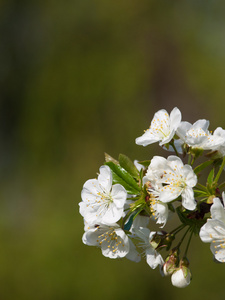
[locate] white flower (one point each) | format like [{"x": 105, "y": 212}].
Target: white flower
[
  {"x": 181, "y": 278},
  {"x": 175, "y": 178},
  {"x": 198, "y": 135},
  {"x": 213, "y": 231},
  {"x": 162, "y": 128},
  {"x": 101, "y": 201},
  {"x": 111, "y": 239},
  {"x": 153, "y": 258},
  {"x": 160, "y": 212}
]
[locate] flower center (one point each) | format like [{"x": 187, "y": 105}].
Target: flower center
[{"x": 110, "y": 238}]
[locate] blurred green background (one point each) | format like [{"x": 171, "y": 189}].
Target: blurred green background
[{"x": 77, "y": 79}]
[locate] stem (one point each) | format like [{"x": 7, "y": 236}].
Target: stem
[
  {"x": 193, "y": 160},
  {"x": 220, "y": 171},
  {"x": 189, "y": 241},
  {"x": 176, "y": 230},
  {"x": 174, "y": 148},
  {"x": 183, "y": 237},
  {"x": 189, "y": 159}
]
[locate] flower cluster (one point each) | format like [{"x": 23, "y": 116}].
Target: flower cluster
[{"x": 130, "y": 197}]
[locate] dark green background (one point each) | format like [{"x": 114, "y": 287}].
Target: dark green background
[{"x": 77, "y": 79}]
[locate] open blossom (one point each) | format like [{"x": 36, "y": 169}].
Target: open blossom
[
  {"x": 213, "y": 231},
  {"x": 162, "y": 128},
  {"x": 111, "y": 239},
  {"x": 198, "y": 135},
  {"x": 102, "y": 201},
  {"x": 175, "y": 178},
  {"x": 159, "y": 210},
  {"x": 145, "y": 236}
]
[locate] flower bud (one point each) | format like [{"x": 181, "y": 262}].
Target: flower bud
[
  {"x": 171, "y": 262},
  {"x": 182, "y": 276}
]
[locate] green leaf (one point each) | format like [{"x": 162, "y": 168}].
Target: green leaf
[
  {"x": 110, "y": 158},
  {"x": 121, "y": 176},
  {"x": 145, "y": 163},
  {"x": 129, "y": 166},
  {"x": 203, "y": 166}
]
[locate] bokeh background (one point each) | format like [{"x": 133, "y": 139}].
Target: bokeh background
[{"x": 79, "y": 78}]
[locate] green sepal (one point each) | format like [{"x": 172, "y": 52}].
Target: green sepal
[
  {"x": 202, "y": 166},
  {"x": 121, "y": 176},
  {"x": 199, "y": 193},
  {"x": 128, "y": 165},
  {"x": 210, "y": 178}
]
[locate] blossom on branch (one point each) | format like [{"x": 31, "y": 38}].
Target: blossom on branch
[
  {"x": 198, "y": 135},
  {"x": 146, "y": 243},
  {"x": 162, "y": 128},
  {"x": 214, "y": 230},
  {"x": 174, "y": 179},
  {"x": 112, "y": 240},
  {"x": 102, "y": 201}
]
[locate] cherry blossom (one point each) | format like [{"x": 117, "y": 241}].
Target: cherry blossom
[
  {"x": 102, "y": 201},
  {"x": 162, "y": 128}
]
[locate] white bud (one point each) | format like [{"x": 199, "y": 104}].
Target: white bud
[{"x": 181, "y": 278}]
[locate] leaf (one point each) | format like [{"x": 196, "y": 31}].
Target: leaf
[
  {"x": 129, "y": 166},
  {"x": 121, "y": 176},
  {"x": 145, "y": 163},
  {"x": 110, "y": 158},
  {"x": 119, "y": 180},
  {"x": 203, "y": 166}
]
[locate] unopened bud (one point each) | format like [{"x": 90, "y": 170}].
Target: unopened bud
[
  {"x": 182, "y": 275},
  {"x": 171, "y": 262}
]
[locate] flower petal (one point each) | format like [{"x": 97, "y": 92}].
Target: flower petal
[
  {"x": 105, "y": 178},
  {"x": 153, "y": 258},
  {"x": 119, "y": 195},
  {"x": 217, "y": 210},
  {"x": 188, "y": 200}
]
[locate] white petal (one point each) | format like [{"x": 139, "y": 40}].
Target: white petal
[
  {"x": 90, "y": 237},
  {"x": 169, "y": 193},
  {"x": 140, "y": 221},
  {"x": 143, "y": 233},
  {"x": 212, "y": 230},
  {"x": 105, "y": 178},
  {"x": 133, "y": 254},
  {"x": 182, "y": 130},
  {"x": 112, "y": 214},
  {"x": 119, "y": 195},
  {"x": 161, "y": 213},
  {"x": 218, "y": 250},
  {"x": 90, "y": 190},
  {"x": 217, "y": 210},
  {"x": 188, "y": 200},
  {"x": 175, "y": 118},
  {"x": 189, "y": 175},
  {"x": 153, "y": 258},
  {"x": 147, "y": 138},
  {"x": 202, "y": 123},
  {"x": 117, "y": 248}
]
